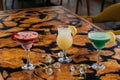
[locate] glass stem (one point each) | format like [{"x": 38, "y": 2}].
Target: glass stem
[
  {"x": 98, "y": 57},
  {"x": 28, "y": 57},
  {"x": 65, "y": 56}
]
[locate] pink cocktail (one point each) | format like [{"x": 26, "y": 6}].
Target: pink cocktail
[{"x": 26, "y": 38}]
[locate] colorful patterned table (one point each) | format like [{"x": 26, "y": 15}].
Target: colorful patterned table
[{"x": 45, "y": 21}]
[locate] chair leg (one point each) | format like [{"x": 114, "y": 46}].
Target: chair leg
[
  {"x": 22, "y": 4},
  {"x": 44, "y": 2},
  {"x": 68, "y": 1},
  {"x": 77, "y": 6},
  {"x": 114, "y": 1},
  {"x": 13, "y": 4},
  {"x": 102, "y": 5},
  {"x": 1, "y": 5},
  {"x": 81, "y": 2},
  {"x": 88, "y": 7},
  {"x": 5, "y": 4},
  {"x": 61, "y": 1}
]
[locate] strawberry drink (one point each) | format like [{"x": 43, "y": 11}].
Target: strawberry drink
[{"x": 26, "y": 38}]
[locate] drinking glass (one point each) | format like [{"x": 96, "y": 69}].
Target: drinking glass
[
  {"x": 82, "y": 73},
  {"x": 64, "y": 41},
  {"x": 99, "y": 39},
  {"x": 26, "y": 38}
]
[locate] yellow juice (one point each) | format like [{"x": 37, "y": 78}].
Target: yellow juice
[{"x": 64, "y": 39}]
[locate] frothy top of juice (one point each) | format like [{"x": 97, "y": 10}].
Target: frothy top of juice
[
  {"x": 27, "y": 35},
  {"x": 98, "y": 36}
]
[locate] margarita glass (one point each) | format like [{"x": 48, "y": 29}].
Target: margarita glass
[
  {"x": 99, "y": 39},
  {"x": 26, "y": 38},
  {"x": 64, "y": 41}
]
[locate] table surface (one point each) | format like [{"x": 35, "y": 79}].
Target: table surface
[{"x": 45, "y": 21}]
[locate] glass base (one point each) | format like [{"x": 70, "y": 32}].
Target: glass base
[
  {"x": 28, "y": 66},
  {"x": 64, "y": 60},
  {"x": 96, "y": 66}
]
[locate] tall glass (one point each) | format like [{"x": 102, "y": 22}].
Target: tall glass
[
  {"x": 64, "y": 41},
  {"x": 26, "y": 38},
  {"x": 99, "y": 39}
]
